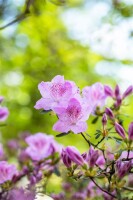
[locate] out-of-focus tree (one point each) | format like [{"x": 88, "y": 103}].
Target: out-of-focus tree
[{"x": 34, "y": 47}]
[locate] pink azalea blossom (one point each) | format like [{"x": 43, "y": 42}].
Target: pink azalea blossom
[
  {"x": 55, "y": 93},
  {"x": 94, "y": 95},
  {"x": 73, "y": 118},
  {"x": 7, "y": 171},
  {"x": 21, "y": 194},
  {"x": 41, "y": 146},
  {"x": 3, "y": 113}
]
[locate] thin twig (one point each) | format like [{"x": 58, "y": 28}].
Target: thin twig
[
  {"x": 21, "y": 16},
  {"x": 99, "y": 142},
  {"x": 128, "y": 188},
  {"x": 86, "y": 139},
  {"x": 103, "y": 189}
]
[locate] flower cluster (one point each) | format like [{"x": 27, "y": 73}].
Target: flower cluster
[
  {"x": 73, "y": 108},
  {"x": 104, "y": 170},
  {"x": 36, "y": 162}
]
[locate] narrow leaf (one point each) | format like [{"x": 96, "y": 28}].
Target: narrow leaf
[
  {"x": 62, "y": 134},
  {"x": 45, "y": 111},
  {"x": 94, "y": 120}
]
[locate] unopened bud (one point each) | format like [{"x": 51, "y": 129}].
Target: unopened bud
[
  {"x": 128, "y": 91},
  {"x": 109, "y": 113},
  {"x": 120, "y": 130},
  {"x": 130, "y": 131},
  {"x": 117, "y": 91},
  {"x": 104, "y": 119},
  {"x": 108, "y": 91}
]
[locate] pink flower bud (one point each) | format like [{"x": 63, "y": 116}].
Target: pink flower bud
[
  {"x": 117, "y": 91},
  {"x": 74, "y": 155},
  {"x": 109, "y": 113},
  {"x": 128, "y": 91},
  {"x": 104, "y": 119},
  {"x": 65, "y": 158},
  {"x": 119, "y": 129},
  {"x": 130, "y": 131},
  {"x": 118, "y": 101},
  {"x": 92, "y": 156},
  {"x": 123, "y": 168},
  {"x": 108, "y": 91}
]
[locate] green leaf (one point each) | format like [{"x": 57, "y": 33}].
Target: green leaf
[
  {"x": 62, "y": 134},
  {"x": 94, "y": 120},
  {"x": 45, "y": 111},
  {"x": 97, "y": 136}
]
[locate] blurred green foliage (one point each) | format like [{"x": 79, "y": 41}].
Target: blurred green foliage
[{"x": 34, "y": 50}]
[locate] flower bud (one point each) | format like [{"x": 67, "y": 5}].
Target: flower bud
[
  {"x": 108, "y": 91},
  {"x": 74, "y": 155},
  {"x": 104, "y": 119},
  {"x": 120, "y": 130},
  {"x": 118, "y": 102},
  {"x": 130, "y": 131},
  {"x": 66, "y": 160},
  {"x": 123, "y": 168},
  {"x": 92, "y": 156},
  {"x": 128, "y": 91},
  {"x": 117, "y": 91},
  {"x": 109, "y": 113}
]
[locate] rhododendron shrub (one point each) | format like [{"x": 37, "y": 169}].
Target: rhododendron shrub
[{"x": 103, "y": 171}]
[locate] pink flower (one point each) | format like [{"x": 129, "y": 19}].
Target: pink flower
[
  {"x": 21, "y": 194},
  {"x": 3, "y": 113},
  {"x": 72, "y": 118},
  {"x": 7, "y": 171},
  {"x": 55, "y": 93},
  {"x": 94, "y": 95},
  {"x": 41, "y": 146}
]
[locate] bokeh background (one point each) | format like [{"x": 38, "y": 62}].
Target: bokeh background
[{"x": 85, "y": 40}]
